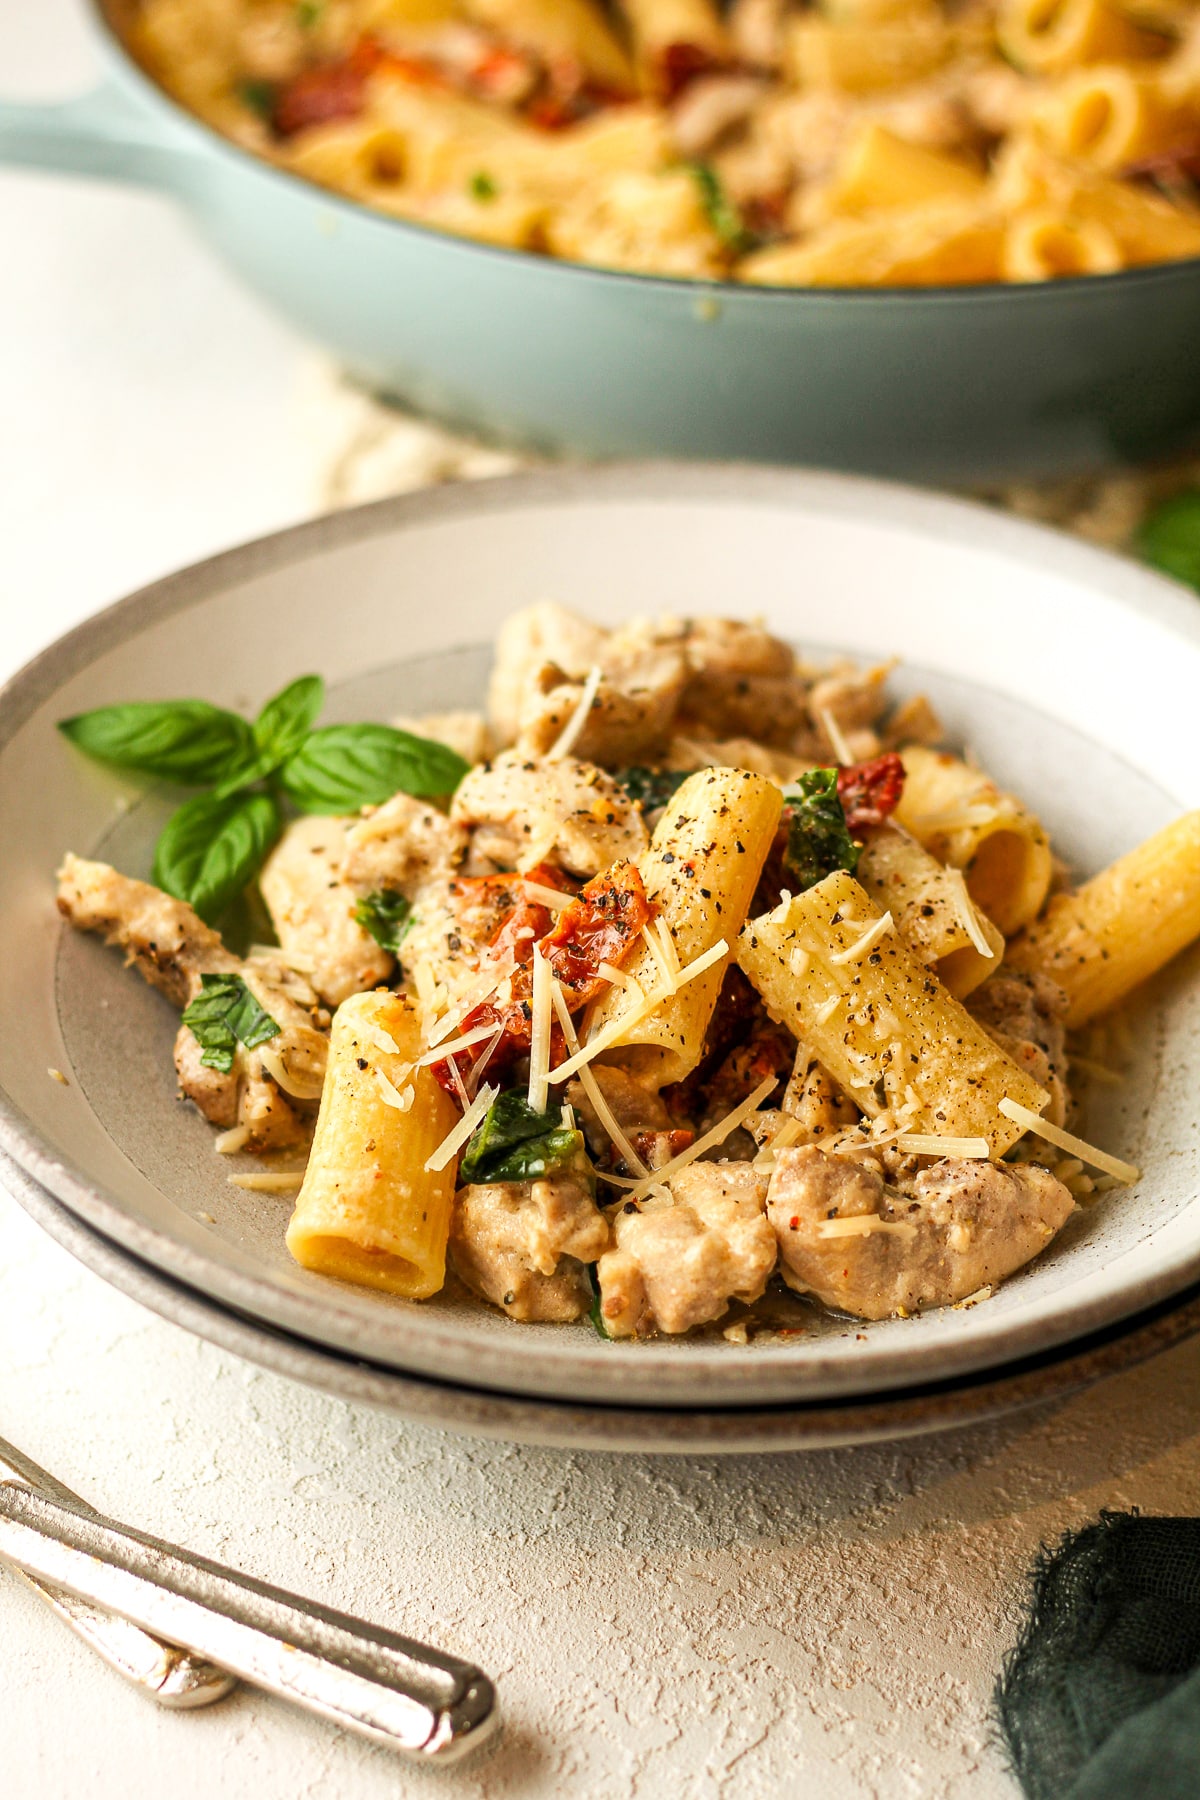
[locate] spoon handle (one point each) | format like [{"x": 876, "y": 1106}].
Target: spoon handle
[{"x": 389, "y": 1688}]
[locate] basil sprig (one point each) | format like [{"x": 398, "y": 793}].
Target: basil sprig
[
  {"x": 223, "y": 1015},
  {"x": 386, "y": 915},
  {"x": 1169, "y": 538},
  {"x": 514, "y": 1143},
  {"x": 819, "y": 839},
  {"x": 217, "y": 842},
  {"x": 722, "y": 212}
]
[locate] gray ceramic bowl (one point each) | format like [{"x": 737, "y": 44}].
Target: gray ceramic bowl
[
  {"x": 950, "y": 385},
  {"x": 1071, "y": 673}
]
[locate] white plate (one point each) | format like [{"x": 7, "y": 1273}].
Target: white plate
[{"x": 1072, "y": 673}]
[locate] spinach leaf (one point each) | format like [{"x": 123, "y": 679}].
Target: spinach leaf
[
  {"x": 387, "y": 915},
  {"x": 652, "y": 788},
  {"x": 722, "y": 213},
  {"x": 278, "y": 732},
  {"x": 514, "y": 1143},
  {"x": 594, "y": 1312},
  {"x": 1169, "y": 538},
  {"x": 342, "y": 767},
  {"x": 176, "y": 740},
  {"x": 819, "y": 839},
  {"x": 224, "y": 1014},
  {"x": 213, "y": 846},
  {"x": 258, "y": 97}
]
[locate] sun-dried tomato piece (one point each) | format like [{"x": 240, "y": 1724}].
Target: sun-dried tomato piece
[
  {"x": 600, "y": 926},
  {"x": 679, "y": 64},
  {"x": 869, "y": 791},
  {"x": 318, "y": 96}
]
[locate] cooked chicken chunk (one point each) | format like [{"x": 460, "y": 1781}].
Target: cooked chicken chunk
[
  {"x": 742, "y": 682},
  {"x": 312, "y": 910},
  {"x": 526, "y": 642},
  {"x": 680, "y": 1267},
  {"x": 173, "y": 947},
  {"x": 855, "y": 700},
  {"x": 633, "y": 1105},
  {"x": 961, "y": 1226},
  {"x": 1025, "y": 1014},
  {"x": 405, "y": 844},
  {"x": 629, "y": 719},
  {"x": 710, "y": 108},
  {"x": 523, "y": 1245},
  {"x": 523, "y": 810}
]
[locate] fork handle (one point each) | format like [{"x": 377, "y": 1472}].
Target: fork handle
[
  {"x": 387, "y": 1687},
  {"x": 171, "y": 1676}
]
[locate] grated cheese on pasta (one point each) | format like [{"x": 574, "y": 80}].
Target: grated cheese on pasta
[
  {"x": 454, "y": 1139},
  {"x": 1066, "y": 1140},
  {"x": 572, "y": 730}
]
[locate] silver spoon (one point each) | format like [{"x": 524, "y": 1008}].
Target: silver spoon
[{"x": 387, "y": 1687}]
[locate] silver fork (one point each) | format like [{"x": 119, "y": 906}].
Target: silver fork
[
  {"x": 169, "y": 1675},
  {"x": 389, "y": 1688}
]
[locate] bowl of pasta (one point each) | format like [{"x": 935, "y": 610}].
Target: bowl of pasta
[
  {"x": 957, "y": 243},
  {"x": 768, "y": 978}
]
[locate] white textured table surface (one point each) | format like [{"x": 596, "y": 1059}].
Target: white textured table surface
[{"x": 806, "y": 1625}]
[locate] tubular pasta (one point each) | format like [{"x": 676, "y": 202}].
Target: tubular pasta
[
  {"x": 965, "y": 820},
  {"x": 701, "y": 871},
  {"x": 369, "y": 1211},
  {"x": 1121, "y": 927},
  {"x": 928, "y": 903},
  {"x": 881, "y": 1023}
]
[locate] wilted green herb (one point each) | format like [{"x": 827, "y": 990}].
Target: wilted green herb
[
  {"x": 223, "y": 1015},
  {"x": 259, "y": 97},
  {"x": 387, "y": 915},
  {"x": 819, "y": 839},
  {"x": 514, "y": 1143},
  {"x": 722, "y": 212},
  {"x": 482, "y": 186}
]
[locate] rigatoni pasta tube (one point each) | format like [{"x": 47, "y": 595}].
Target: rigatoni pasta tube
[
  {"x": 1045, "y": 36},
  {"x": 932, "y": 909},
  {"x": 879, "y": 1021},
  {"x": 965, "y": 820},
  {"x": 1121, "y": 927},
  {"x": 878, "y": 170},
  {"x": 369, "y": 1211},
  {"x": 700, "y": 870}
]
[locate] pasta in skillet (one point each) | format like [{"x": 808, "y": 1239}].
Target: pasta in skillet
[
  {"x": 712, "y": 975},
  {"x": 859, "y": 143}
]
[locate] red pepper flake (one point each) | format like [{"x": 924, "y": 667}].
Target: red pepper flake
[
  {"x": 794, "y": 1222},
  {"x": 869, "y": 791}
]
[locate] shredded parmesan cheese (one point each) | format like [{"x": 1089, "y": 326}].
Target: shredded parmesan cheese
[
  {"x": 616, "y": 1029},
  {"x": 377, "y": 1036},
  {"x": 798, "y": 961},
  {"x": 464, "y": 1099},
  {"x": 863, "y": 1225},
  {"x": 916, "y": 1143},
  {"x": 57, "y": 1075},
  {"x": 968, "y": 916},
  {"x": 539, "y": 1033},
  {"x": 441, "y": 1051},
  {"x": 833, "y": 732},
  {"x": 298, "y": 1086},
  {"x": 476, "y": 1075},
  {"x": 729, "y": 1124},
  {"x": 391, "y": 1095},
  {"x": 827, "y": 1009},
  {"x": 553, "y": 899},
  {"x": 454, "y": 1140},
  {"x": 654, "y": 946},
  {"x": 787, "y": 1134},
  {"x": 482, "y": 990},
  {"x": 281, "y": 1183},
  {"x": 591, "y": 1088},
  {"x": 565, "y": 742},
  {"x": 867, "y": 941},
  {"x": 1066, "y": 1140},
  {"x": 231, "y": 1141}
]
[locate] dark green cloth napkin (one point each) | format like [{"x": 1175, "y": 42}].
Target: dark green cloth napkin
[{"x": 1100, "y": 1699}]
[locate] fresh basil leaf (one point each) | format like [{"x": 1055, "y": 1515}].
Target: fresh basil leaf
[
  {"x": 176, "y": 740},
  {"x": 1169, "y": 538},
  {"x": 387, "y": 915},
  {"x": 652, "y": 788},
  {"x": 819, "y": 839},
  {"x": 514, "y": 1143},
  {"x": 224, "y": 1014},
  {"x": 213, "y": 846},
  {"x": 278, "y": 732},
  {"x": 482, "y": 186},
  {"x": 284, "y": 722},
  {"x": 722, "y": 213},
  {"x": 342, "y": 767}
]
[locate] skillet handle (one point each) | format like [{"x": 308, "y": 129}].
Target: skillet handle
[{"x": 101, "y": 134}]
